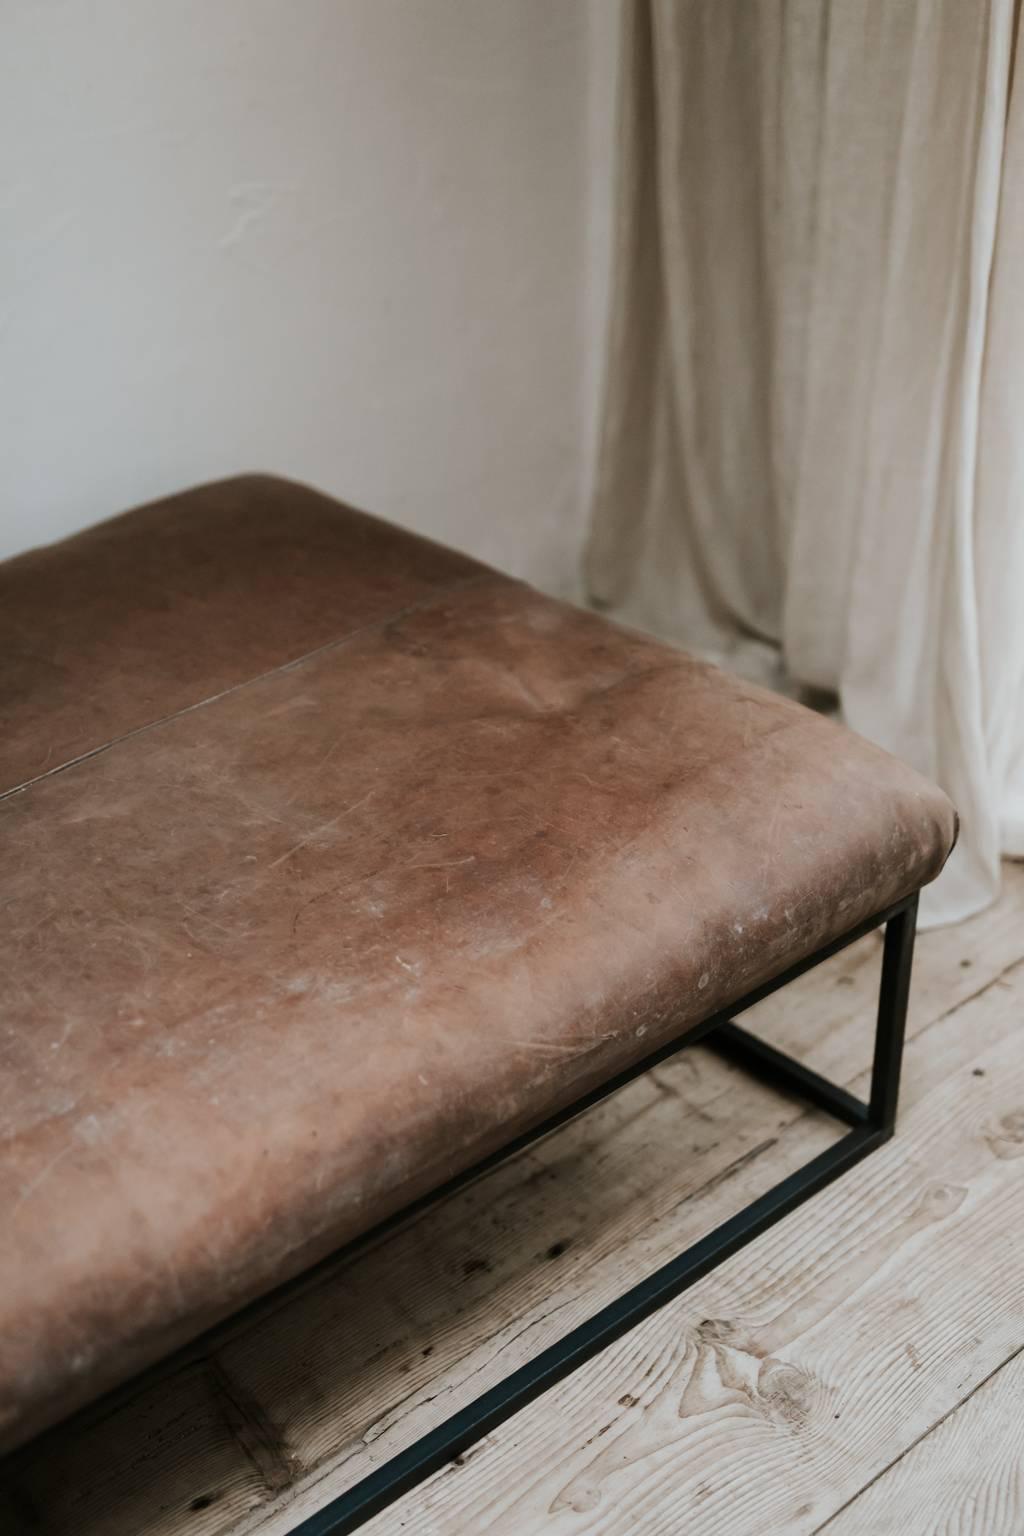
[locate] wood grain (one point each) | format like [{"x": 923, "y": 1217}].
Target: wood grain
[
  {"x": 965, "y": 1478},
  {"x": 767, "y": 1396},
  {"x": 273, "y": 1414}
]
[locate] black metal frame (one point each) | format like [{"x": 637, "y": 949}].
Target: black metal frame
[{"x": 870, "y": 1124}]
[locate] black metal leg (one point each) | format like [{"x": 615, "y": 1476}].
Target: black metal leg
[
  {"x": 763, "y": 1061},
  {"x": 893, "y": 994},
  {"x": 872, "y": 1125}
]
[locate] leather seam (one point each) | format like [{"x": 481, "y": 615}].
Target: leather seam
[{"x": 338, "y": 643}]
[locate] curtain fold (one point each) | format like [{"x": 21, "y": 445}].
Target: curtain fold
[{"x": 811, "y": 463}]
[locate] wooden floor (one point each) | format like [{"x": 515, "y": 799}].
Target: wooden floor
[{"x": 860, "y": 1369}]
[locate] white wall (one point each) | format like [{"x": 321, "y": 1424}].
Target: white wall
[{"x": 346, "y": 240}]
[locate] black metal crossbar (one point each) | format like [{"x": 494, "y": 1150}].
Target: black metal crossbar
[{"x": 871, "y": 1125}]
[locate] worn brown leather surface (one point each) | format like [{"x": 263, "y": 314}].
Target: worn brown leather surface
[
  {"x": 390, "y": 857},
  {"x": 161, "y": 608}
]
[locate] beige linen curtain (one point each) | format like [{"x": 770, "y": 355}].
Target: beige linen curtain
[{"x": 812, "y": 452}]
